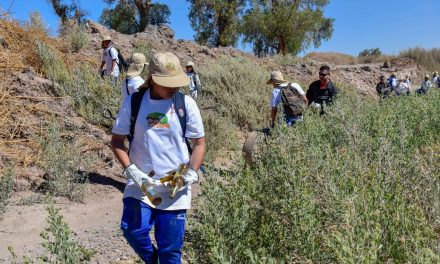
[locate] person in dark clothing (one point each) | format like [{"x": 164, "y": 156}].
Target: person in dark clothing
[
  {"x": 322, "y": 90},
  {"x": 383, "y": 88}
]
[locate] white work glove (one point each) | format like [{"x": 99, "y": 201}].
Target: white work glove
[
  {"x": 132, "y": 172},
  {"x": 190, "y": 177}
]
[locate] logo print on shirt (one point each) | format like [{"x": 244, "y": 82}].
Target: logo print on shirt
[{"x": 157, "y": 120}]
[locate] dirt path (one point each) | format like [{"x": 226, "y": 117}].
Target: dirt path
[{"x": 95, "y": 223}]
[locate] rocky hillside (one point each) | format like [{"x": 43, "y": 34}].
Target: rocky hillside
[
  {"x": 30, "y": 103},
  {"x": 28, "y": 99}
]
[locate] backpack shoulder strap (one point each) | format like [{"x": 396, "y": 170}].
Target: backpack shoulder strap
[
  {"x": 179, "y": 105},
  {"x": 126, "y": 86},
  {"x": 136, "y": 100}
]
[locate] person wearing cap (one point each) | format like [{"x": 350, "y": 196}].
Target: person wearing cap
[
  {"x": 158, "y": 145},
  {"x": 383, "y": 88},
  {"x": 393, "y": 82},
  {"x": 195, "y": 87},
  {"x": 322, "y": 90},
  {"x": 402, "y": 87},
  {"x": 279, "y": 84},
  {"x": 109, "y": 60},
  {"x": 425, "y": 87},
  {"x": 134, "y": 80}
]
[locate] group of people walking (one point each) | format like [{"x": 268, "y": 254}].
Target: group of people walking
[
  {"x": 165, "y": 133},
  {"x": 113, "y": 63},
  {"x": 293, "y": 98},
  {"x": 387, "y": 87}
]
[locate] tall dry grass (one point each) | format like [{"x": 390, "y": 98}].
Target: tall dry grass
[
  {"x": 334, "y": 58},
  {"x": 428, "y": 58}
]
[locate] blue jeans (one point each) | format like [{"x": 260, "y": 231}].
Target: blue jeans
[
  {"x": 290, "y": 121},
  {"x": 169, "y": 227}
]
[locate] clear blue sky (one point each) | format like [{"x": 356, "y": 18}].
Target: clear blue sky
[{"x": 391, "y": 25}]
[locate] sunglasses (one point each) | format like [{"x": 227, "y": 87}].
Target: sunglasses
[{"x": 323, "y": 74}]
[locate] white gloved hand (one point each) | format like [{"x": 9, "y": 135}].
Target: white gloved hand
[
  {"x": 315, "y": 106},
  {"x": 190, "y": 177},
  {"x": 132, "y": 172}
]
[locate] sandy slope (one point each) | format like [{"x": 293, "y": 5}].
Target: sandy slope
[{"x": 95, "y": 223}]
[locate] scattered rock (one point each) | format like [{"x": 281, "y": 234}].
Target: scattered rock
[
  {"x": 3, "y": 42},
  {"x": 95, "y": 28},
  {"x": 366, "y": 68},
  {"x": 166, "y": 31},
  {"x": 21, "y": 185}
]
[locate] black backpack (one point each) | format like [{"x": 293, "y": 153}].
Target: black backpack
[
  {"x": 123, "y": 65},
  {"x": 293, "y": 101},
  {"x": 180, "y": 109}
]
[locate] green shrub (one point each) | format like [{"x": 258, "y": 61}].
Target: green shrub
[
  {"x": 52, "y": 66},
  {"x": 6, "y": 185},
  {"x": 237, "y": 88},
  {"x": 90, "y": 95},
  {"x": 359, "y": 184},
  {"x": 59, "y": 241},
  {"x": 62, "y": 160},
  {"x": 77, "y": 37}
]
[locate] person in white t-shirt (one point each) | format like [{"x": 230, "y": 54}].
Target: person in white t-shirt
[
  {"x": 158, "y": 145},
  {"x": 278, "y": 82},
  {"x": 195, "y": 87},
  {"x": 109, "y": 60},
  {"x": 133, "y": 80}
]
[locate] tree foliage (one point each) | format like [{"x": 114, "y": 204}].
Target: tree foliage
[
  {"x": 131, "y": 16},
  {"x": 370, "y": 53},
  {"x": 286, "y": 26},
  {"x": 216, "y": 22},
  {"x": 68, "y": 11}
]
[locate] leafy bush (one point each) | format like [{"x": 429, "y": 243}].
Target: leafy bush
[
  {"x": 77, "y": 37},
  {"x": 53, "y": 67},
  {"x": 6, "y": 185},
  {"x": 62, "y": 160},
  {"x": 238, "y": 93},
  {"x": 359, "y": 184},
  {"x": 91, "y": 96},
  {"x": 59, "y": 241},
  {"x": 232, "y": 100},
  {"x": 429, "y": 59}
]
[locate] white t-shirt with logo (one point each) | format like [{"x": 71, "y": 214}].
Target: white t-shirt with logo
[
  {"x": 276, "y": 93},
  {"x": 109, "y": 55},
  {"x": 158, "y": 144},
  {"x": 133, "y": 85}
]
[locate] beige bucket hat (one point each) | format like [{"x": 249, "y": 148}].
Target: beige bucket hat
[
  {"x": 137, "y": 64},
  {"x": 276, "y": 77},
  {"x": 190, "y": 64},
  {"x": 165, "y": 70},
  {"x": 106, "y": 38}
]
